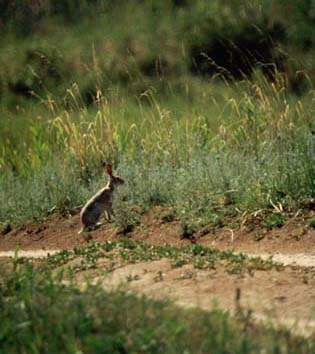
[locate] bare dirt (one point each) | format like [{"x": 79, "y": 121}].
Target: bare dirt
[
  {"x": 61, "y": 232},
  {"x": 285, "y": 296}
]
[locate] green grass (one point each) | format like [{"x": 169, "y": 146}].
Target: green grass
[
  {"x": 180, "y": 139},
  {"x": 39, "y": 314},
  {"x": 100, "y": 46},
  {"x": 311, "y": 223},
  {"x": 207, "y": 149},
  {"x": 227, "y": 153},
  {"x": 274, "y": 220}
]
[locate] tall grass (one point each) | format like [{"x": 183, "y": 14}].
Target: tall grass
[{"x": 252, "y": 145}]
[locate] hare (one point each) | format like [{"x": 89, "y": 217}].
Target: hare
[{"x": 100, "y": 202}]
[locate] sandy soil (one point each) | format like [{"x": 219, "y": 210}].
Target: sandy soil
[{"x": 283, "y": 297}]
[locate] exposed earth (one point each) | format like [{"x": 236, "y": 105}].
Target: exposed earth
[
  {"x": 60, "y": 232},
  {"x": 285, "y": 295}
]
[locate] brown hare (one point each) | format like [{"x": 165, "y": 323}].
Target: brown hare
[{"x": 100, "y": 202}]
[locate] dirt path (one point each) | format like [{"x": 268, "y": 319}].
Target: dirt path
[
  {"x": 36, "y": 254},
  {"x": 284, "y": 297},
  {"x": 301, "y": 260},
  {"x": 279, "y": 297}
]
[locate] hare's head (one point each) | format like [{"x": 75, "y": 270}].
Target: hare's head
[{"x": 113, "y": 180}]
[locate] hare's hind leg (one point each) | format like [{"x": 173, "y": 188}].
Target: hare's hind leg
[
  {"x": 85, "y": 233},
  {"x": 87, "y": 236},
  {"x": 84, "y": 229},
  {"x": 99, "y": 224}
]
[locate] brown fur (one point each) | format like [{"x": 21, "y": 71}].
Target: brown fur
[{"x": 102, "y": 201}]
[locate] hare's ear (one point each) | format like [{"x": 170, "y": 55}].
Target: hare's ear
[{"x": 109, "y": 169}]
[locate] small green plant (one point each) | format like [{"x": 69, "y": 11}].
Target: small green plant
[
  {"x": 168, "y": 216},
  {"x": 127, "y": 216},
  {"x": 217, "y": 220},
  {"x": 187, "y": 229},
  {"x": 128, "y": 250},
  {"x": 5, "y": 228},
  {"x": 274, "y": 220},
  {"x": 311, "y": 223},
  {"x": 259, "y": 236}
]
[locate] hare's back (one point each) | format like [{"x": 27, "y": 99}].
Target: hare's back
[
  {"x": 93, "y": 209},
  {"x": 104, "y": 196}
]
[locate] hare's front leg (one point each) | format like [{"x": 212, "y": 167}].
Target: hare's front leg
[
  {"x": 109, "y": 213},
  {"x": 107, "y": 217}
]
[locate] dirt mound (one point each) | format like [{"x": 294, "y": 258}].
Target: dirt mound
[{"x": 61, "y": 232}]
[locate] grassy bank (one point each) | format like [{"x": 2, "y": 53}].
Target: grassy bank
[{"x": 233, "y": 148}]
